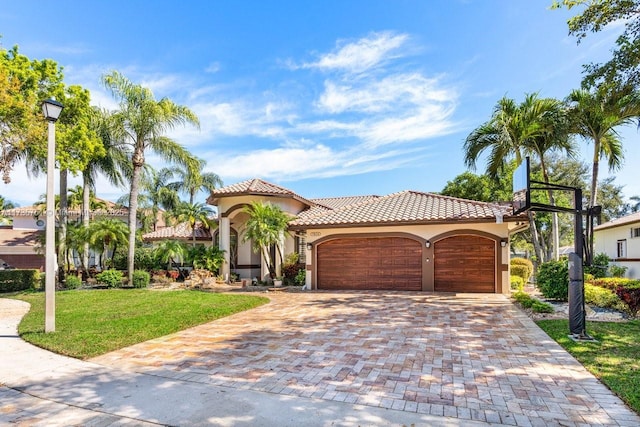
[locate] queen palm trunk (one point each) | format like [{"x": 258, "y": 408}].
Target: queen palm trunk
[
  {"x": 138, "y": 163},
  {"x": 86, "y": 189}
]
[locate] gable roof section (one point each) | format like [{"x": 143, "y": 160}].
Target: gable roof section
[
  {"x": 18, "y": 238},
  {"x": 625, "y": 220},
  {"x": 255, "y": 187},
  {"x": 340, "y": 202},
  {"x": 180, "y": 231},
  {"x": 39, "y": 210},
  {"x": 406, "y": 207}
]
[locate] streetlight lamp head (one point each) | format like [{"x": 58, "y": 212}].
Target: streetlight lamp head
[{"x": 51, "y": 109}]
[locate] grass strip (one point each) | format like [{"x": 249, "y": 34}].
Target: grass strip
[
  {"x": 614, "y": 359},
  {"x": 93, "y": 322}
]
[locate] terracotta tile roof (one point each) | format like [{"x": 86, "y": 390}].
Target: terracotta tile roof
[
  {"x": 180, "y": 231},
  {"x": 254, "y": 187},
  {"x": 340, "y": 202},
  {"x": 629, "y": 219},
  {"x": 406, "y": 207},
  {"x": 38, "y": 210},
  {"x": 10, "y": 237}
]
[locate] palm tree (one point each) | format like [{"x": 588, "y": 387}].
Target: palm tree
[
  {"x": 159, "y": 193},
  {"x": 172, "y": 252},
  {"x": 194, "y": 179},
  {"x": 595, "y": 116},
  {"x": 140, "y": 124},
  {"x": 265, "y": 228},
  {"x": 106, "y": 235},
  {"x": 5, "y": 205},
  {"x": 535, "y": 126},
  {"x": 194, "y": 213},
  {"x": 635, "y": 207}
]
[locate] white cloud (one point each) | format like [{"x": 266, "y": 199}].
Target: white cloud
[
  {"x": 212, "y": 68},
  {"x": 362, "y": 54}
]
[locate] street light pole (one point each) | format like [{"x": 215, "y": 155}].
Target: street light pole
[{"x": 51, "y": 110}]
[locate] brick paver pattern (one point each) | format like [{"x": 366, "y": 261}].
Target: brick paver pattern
[{"x": 466, "y": 356}]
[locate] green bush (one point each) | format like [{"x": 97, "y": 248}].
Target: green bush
[
  {"x": 72, "y": 282},
  {"x": 553, "y": 280},
  {"x": 144, "y": 259},
  {"x": 588, "y": 277},
  {"x": 541, "y": 307},
  {"x": 517, "y": 283},
  {"x": 602, "y": 297},
  {"x": 141, "y": 279},
  {"x": 617, "y": 270},
  {"x": 19, "y": 280},
  {"x": 521, "y": 267},
  {"x": 599, "y": 266},
  {"x": 110, "y": 278},
  {"x": 523, "y": 298},
  {"x": 301, "y": 277}
]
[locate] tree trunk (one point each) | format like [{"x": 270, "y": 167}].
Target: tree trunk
[
  {"x": 537, "y": 250},
  {"x": 594, "y": 172},
  {"x": 62, "y": 227},
  {"x": 86, "y": 206},
  {"x": 138, "y": 163}
]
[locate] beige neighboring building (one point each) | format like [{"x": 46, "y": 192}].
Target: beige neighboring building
[
  {"x": 620, "y": 240},
  {"x": 403, "y": 241}
]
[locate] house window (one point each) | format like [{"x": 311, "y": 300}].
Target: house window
[
  {"x": 301, "y": 248},
  {"x": 635, "y": 232},
  {"x": 622, "y": 249}
]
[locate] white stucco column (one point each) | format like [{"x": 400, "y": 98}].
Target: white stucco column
[{"x": 225, "y": 244}]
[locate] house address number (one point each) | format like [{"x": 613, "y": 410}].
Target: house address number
[{"x": 315, "y": 233}]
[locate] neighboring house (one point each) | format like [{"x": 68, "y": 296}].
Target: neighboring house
[
  {"x": 20, "y": 243},
  {"x": 620, "y": 240},
  {"x": 182, "y": 232},
  {"x": 403, "y": 241}
]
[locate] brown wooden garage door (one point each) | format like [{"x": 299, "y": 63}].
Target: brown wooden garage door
[
  {"x": 464, "y": 264},
  {"x": 389, "y": 263}
]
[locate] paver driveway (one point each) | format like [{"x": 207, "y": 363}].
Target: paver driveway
[{"x": 466, "y": 356}]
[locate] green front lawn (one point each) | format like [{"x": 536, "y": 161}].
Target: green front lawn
[
  {"x": 614, "y": 359},
  {"x": 90, "y": 323}
]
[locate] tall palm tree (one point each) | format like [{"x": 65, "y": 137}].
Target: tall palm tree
[
  {"x": 535, "y": 126},
  {"x": 193, "y": 214},
  {"x": 106, "y": 235},
  {"x": 159, "y": 193},
  {"x": 193, "y": 179},
  {"x": 265, "y": 228},
  {"x": 595, "y": 116},
  {"x": 635, "y": 206},
  {"x": 139, "y": 125}
]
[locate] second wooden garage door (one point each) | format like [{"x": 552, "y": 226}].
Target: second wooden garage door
[
  {"x": 386, "y": 263},
  {"x": 464, "y": 264}
]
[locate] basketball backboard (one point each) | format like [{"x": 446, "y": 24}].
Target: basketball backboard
[{"x": 521, "y": 188}]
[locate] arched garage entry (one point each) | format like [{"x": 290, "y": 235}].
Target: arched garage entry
[
  {"x": 370, "y": 262},
  {"x": 465, "y": 263}
]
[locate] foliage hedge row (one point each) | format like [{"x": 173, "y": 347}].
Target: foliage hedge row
[
  {"x": 612, "y": 283},
  {"x": 517, "y": 283},
  {"x": 553, "y": 280},
  {"x": 521, "y": 267},
  {"x": 19, "y": 280},
  {"x": 527, "y": 301}
]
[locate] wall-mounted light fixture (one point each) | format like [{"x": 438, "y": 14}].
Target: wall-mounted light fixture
[
  {"x": 427, "y": 243},
  {"x": 309, "y": 246},
  {"x": 503, "y": 242}
]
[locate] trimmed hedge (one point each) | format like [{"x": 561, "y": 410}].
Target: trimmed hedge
[
  {"x": 517, "y": 283},
  {"x": 612, "y": 283},
  {"x": 141, "y": 279},
  {"x": 19, "y": 280},
  {"x": 601, "y": 297},
  {"x": 553, "y": 280},
  {"x": 110, "y": 278},
  {"x": 521, "y": 267},
  {"x": 527, "y": 301},
  {"x": 72, "y": 282},
  {"x": 630, "y": 295}
]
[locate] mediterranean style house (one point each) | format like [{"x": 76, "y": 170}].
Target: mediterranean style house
[
  {"x": 620, "y": 240},
  {"x": 402, "y": 241}
]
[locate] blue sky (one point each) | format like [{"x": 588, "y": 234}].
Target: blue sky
[{"x": 327, "y": 98}]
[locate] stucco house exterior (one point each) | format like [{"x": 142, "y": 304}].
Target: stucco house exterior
[
  {"x": 620, "y": 240},
  {"x": 403, "y": 241}
]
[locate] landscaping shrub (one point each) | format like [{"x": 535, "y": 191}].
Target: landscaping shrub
[
  {"x": 19, "y": 280},
  {"x": 301, "y": 277},
  {"x": 144, "y": 258},
  {"x": 141, "y": 279},
  {"x": 630, "y": 295},
  {"x": 617, "y": 270},
  {"x": 72, "y": 282},
  {"x": 553, "y": 280},
  {"x": 612, "y": 283},
  {"x": 599, "y": 266},
  {"x": 517, "y": 283},
  {"x": 110, "y": 278},
  {"x": 541, "y": 307},
  {"x": 521, "y": 267},
  {"x": 523, "y": 299},
  {"x": 600, "y": 297}
]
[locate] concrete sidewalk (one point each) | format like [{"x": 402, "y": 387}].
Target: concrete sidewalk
[{"x": 39, "y": 388}]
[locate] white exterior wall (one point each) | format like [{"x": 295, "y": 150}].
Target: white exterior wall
[
  {"x": 26, "y": 223},
  {"x": 606, "y": 241}
]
